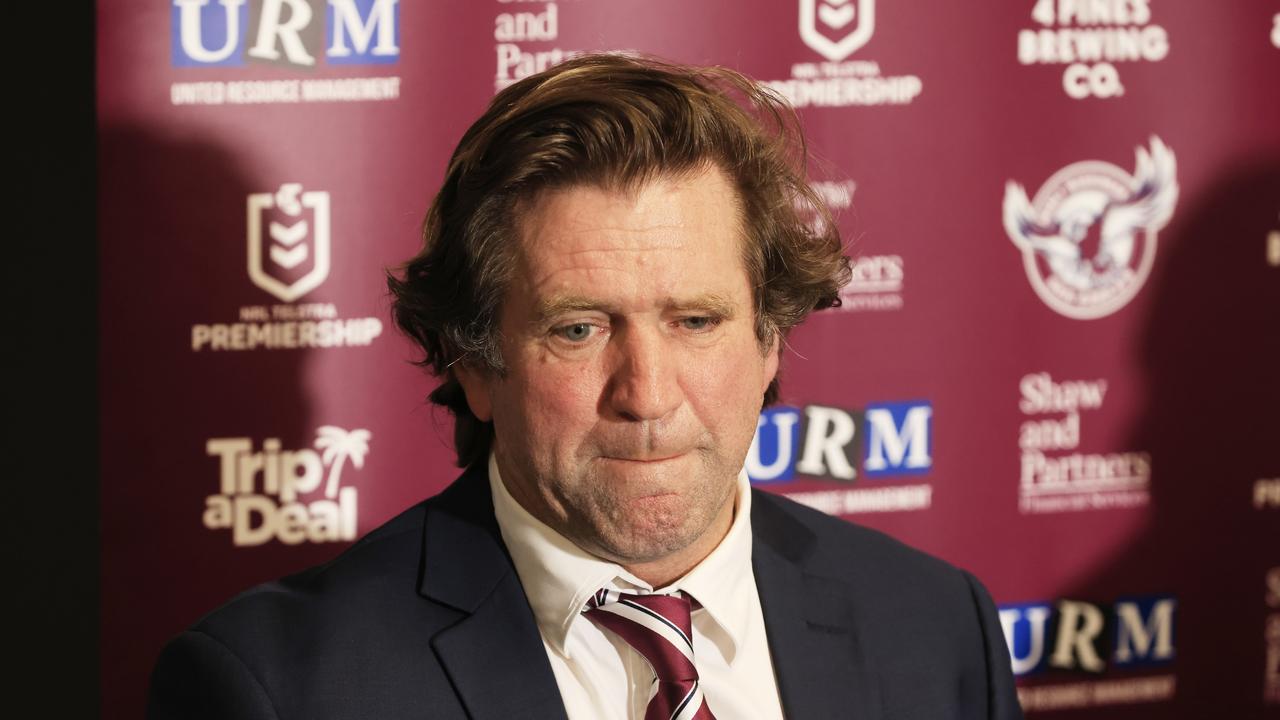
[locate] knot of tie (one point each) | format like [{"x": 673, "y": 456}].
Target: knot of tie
[{"x": 660, "y": 628}]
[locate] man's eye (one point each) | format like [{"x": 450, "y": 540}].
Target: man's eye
[
  {"x": 699, "y": 323},
  {"x": 577, "y": 332}
]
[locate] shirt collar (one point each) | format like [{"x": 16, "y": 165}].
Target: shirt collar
[{"x": 559, "y": 577}]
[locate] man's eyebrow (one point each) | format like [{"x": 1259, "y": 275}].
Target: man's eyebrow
[
  {"x": 555, "y": 307},
  {"x": 710, "y": 303}
]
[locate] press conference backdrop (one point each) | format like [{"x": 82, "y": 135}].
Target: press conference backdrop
[{"x": 1056, "y": 364}]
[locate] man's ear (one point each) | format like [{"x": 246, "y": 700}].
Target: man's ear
[
  {"x": 772, "y": 359},
  {"x": 475, "y": 385}
]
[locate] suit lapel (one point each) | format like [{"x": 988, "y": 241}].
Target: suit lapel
[
  {"x": 494, "y": 655},
  {"x": 810, "y": 622}
]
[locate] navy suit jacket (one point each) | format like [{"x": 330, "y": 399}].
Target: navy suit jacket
[{"x": 425, "y": 617}]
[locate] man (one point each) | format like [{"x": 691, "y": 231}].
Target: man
[{"x": 610, "y": 267}]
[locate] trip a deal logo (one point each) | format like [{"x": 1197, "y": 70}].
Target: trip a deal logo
[
  {"x": 1069, "y": 653},
  {"x": 267, "y": 492},
  {"x": 868, "y": 460},
  {"x": 287, "y": 34}
]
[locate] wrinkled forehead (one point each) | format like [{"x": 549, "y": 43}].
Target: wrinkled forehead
[
  {"x": 697, "y": 204},
  {"x": 631, "y": 207},
  {"x": 669, "y": 240}
]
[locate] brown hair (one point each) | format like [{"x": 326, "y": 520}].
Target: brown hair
[{"x": 614, "y": 121}]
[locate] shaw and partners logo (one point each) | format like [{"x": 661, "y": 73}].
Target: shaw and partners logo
[
  {"x": 1088, "y": 239},
  {"x": 1057, "y": 475},
  {"x": 229, "y": 33},
  {"x": 288, "y": 239},
  {"x": 880, "y": 442},
  {"x": 293, "y": 496},
  {"x": 1134, "y": 634}
]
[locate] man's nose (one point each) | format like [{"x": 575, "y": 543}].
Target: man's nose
[{"x": 645, "y": 383}]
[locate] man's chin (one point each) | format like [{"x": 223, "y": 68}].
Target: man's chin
[
  {"x": 655, "y": 528},
  {"x": 649, "y": 551}
]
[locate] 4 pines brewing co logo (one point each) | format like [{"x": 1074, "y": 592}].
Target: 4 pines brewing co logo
[
  {"x": 288, "y": 239},
  {"x": 1089, "y": 38},
  {"x": 1088, "y": 239},
  {"x": 835, "y": 30},
  {"x": 293, "y": 496}
]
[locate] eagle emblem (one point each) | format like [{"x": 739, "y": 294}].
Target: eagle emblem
[{"x": 1089, "y": 237}]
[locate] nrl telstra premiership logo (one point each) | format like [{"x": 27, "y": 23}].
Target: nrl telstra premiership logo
[
  {"x": 1088, "y": 239},
  {"x": 837, "y": 28},
  {"x": 294, "y": 258}
]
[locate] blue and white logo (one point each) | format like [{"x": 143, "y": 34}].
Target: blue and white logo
[
  {"x": 1077, "y": 636},
  {"x": 228, "y": 33},
  {"x": 885, "y": 440}
]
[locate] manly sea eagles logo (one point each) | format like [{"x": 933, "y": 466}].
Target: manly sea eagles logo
[
  {"x": 294, "y": 259},
  {"x": 836, "y": 28},
  {"x": 1089, "y": 238}
]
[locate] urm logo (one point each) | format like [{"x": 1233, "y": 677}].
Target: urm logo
[
  {"x": 827, "y": 442},
  {"x": 1072, "y": 635},
  {"x": 227, "y": 33}
]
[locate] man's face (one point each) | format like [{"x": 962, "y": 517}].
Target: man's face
[{"x": 634, "y": 375}]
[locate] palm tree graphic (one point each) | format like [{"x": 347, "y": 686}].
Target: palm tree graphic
[{"x": 337, "y": 446}]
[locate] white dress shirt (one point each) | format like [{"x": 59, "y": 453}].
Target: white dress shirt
[{"x": 599, "y": 675}]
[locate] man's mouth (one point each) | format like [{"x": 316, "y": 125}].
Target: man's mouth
[{"x": 646, "y": 459}]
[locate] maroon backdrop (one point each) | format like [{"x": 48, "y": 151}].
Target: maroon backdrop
[{"x": 1056, "y": 366}]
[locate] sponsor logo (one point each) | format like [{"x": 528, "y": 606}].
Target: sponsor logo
[
  {"x": 1088, "y": 239},
  {"x": 525, "y": 41},
  {"x": 289, "y": 34},
  {"x": 837, "y": 194},
  {"x": 879, "y": 442},
  {"x": 1056, "y": 480},
  {"x": 1132, "y": 634},
  {"x": 1088, "y": 37},
  {"x": 876, "y": 284},
  {"x": 298, "y": 234},
  {"x": 1271, "y": 640},
  {"x": 834, "y": 30},
  {"x": 288, "y": 239},
  {"x": 292, "y": 496},
  {"x": 298, "y": 33}
]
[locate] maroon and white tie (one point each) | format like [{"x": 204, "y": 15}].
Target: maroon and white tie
[{"x": 660, "y": 629}]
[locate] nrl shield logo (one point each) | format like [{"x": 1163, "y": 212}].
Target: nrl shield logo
[
  {"x": 294, "y": 260},
  {"x": 836, "y": 28},
  {"x": 1088, "y": 240}
]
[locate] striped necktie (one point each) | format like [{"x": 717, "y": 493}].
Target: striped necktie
[{"x": 659, "y": 628}]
